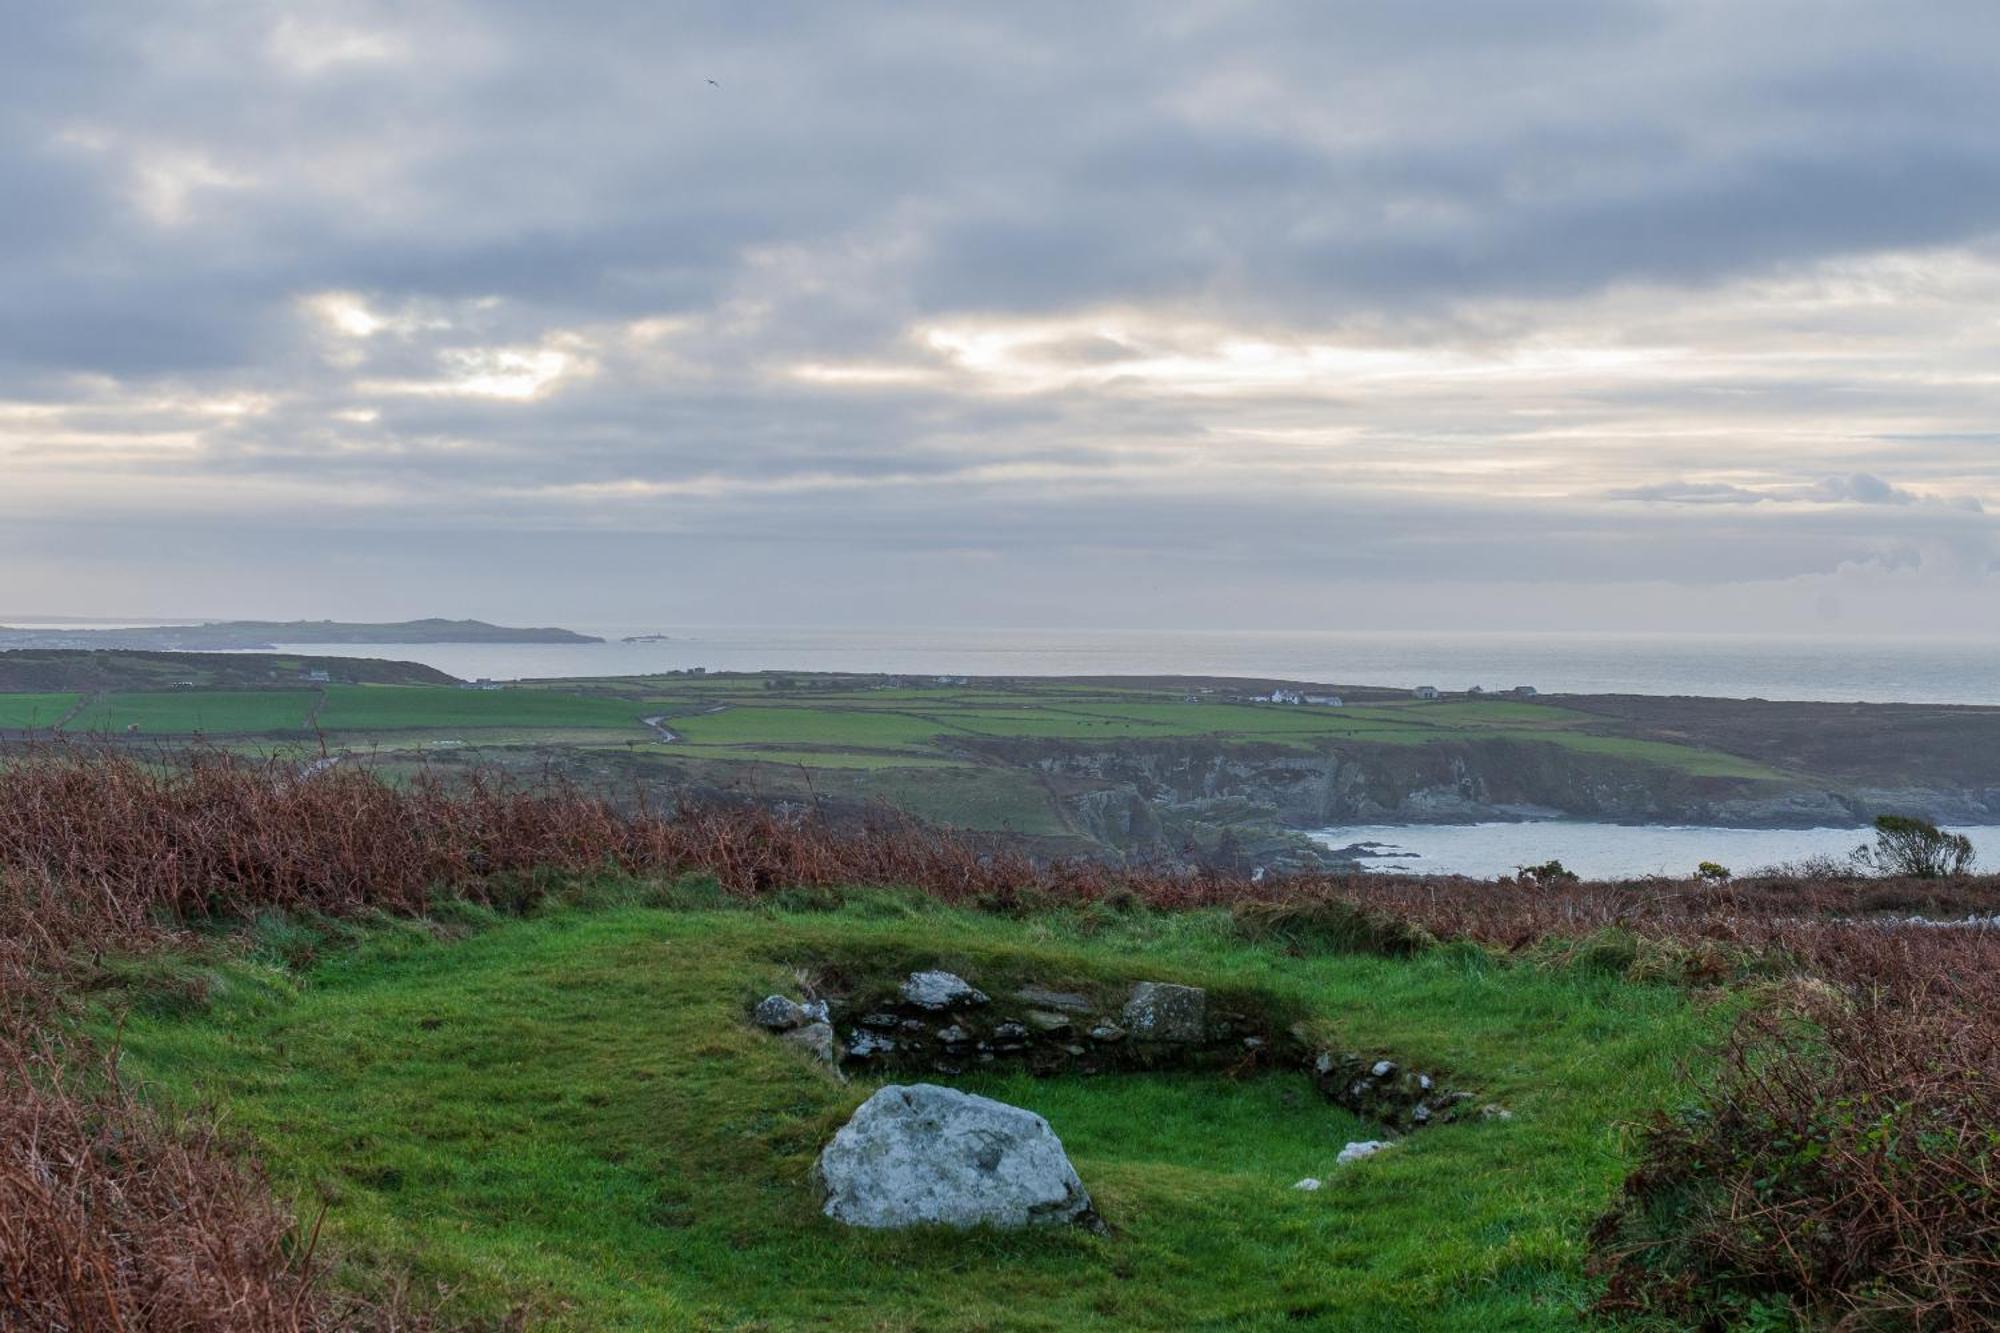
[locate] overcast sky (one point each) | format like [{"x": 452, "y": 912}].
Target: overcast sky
[{"x": 1464, "y": 313}]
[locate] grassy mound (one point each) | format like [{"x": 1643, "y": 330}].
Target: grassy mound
[{"x": 568, "y": 1115}]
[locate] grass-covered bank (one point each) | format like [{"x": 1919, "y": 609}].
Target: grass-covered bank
[{"x": 569, "y": 1114}]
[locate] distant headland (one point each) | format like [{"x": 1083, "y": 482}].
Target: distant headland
[{"x": 252, "y": 635}]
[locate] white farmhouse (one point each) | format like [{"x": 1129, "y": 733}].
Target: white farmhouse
[{"x": 1425, "y": 692}]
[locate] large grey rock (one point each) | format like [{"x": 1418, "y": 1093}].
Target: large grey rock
[
  {"x": 779, "y": 1014},
  {"x": 1162, "y": 1011},
  {"x": 816, "y": 1038},
  {"x": 925, "y": 1155},
  {"x": 941, "y": 990}
]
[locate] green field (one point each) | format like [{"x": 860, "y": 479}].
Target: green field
[
  {"x": 389, "y": 707},
  {"x": 184, "y": 712},
  {"x": 851, "y": 727},
  {"x": 21, "y": 711},
  {"x": 842, "y": 728},
  {"x": 570, "y": 1117}
]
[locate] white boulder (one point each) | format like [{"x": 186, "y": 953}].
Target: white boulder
[
  {"x": 941, "y": 990},
  {"x": 1354, "y": 1152},
  {"x": 922, "y": 1155}
]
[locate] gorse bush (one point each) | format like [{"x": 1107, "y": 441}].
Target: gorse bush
[{"x": 1915, "y": 847}]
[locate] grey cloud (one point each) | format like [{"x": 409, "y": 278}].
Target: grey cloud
[
  {"x": 535, "y": 171},
  {"x": 1690, "y": 492}
]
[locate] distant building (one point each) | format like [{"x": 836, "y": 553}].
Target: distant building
[
  {"x": 1524, "y": 691},
  {"x": 1476, "y": 691},
  {"x": 952, "y": 680},
  {"x": 1285, "y": 697},
  {"x": 1425, "y": 692},
  {"x": 481, "y": 684},
  {"x": 1326, "y": 700},
  {"x": 318, "y": 677}
]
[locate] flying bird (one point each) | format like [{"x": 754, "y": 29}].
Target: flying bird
[{"x": 713, "y": 84}]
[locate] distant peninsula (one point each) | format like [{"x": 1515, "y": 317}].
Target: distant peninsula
[{"x": 253, "y": 635}]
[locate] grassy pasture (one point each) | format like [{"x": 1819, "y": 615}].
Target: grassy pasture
[
  {"x": 570, "y": 1115},
  {"x": 183, "y": 712},
  {"x": 830, "y": 758},
  {"x": 401, "y": 708},
  {"x": 20, "y": 711},
  {"x": 790, "y": 726},
  {"x": 852, "y": 728}
]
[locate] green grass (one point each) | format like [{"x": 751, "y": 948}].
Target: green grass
[
  {"x": 1687, "y": 758},
  {"x": 858, "y": 759},
  {"x": 398, "y": 708},
  {"x": 783, "y": 726},
  {"x": 570, "y": 1114},
  {"x": 180, "y": 712},
  {"x": 20, "y": 711},
  {"x": 987, "y": 799}
]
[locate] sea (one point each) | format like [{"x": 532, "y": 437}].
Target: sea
[
  {"x": 1604, "y": 851},
  {"x": 1880, "y": 670}
]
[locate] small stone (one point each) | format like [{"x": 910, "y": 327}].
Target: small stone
[
  {"x": 816, "y": 1011},
  {"x": 1309, "y": 1183},
  {"x": 1043, "y": 998},
  {"x": 1495, "y": 1111},
  {"x": 1354, "y": 1152},
  {"x": 1383, "y": 1068},
  {"x": 1107, "y": 1032},
  {"x": 1424, "y": 1082},
  {"x": 1421, "y": 1114},
  {"x": 912, "y": 1025},
  {"x": 778, "y": 1014},
  {"x": 1253, "y": 1043},
  {"x": 1010, "y": 1031},
  {"x": 1323, "y": 1063},
  {"x": 887, "y": 1022},
  {"x": 1162, "y": 1011},
  {"x": 954, "y": 1035},
  {"x": 941, "y": 990},
  {"x": 814, "y": 1037},
  {"x": 865, "y": 1045},
  {"x": 1048, "y": 1020}
]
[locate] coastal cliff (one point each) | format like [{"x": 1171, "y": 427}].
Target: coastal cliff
[{"x": 1157, "y": 795}]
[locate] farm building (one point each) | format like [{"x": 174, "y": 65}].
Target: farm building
[
  {"x": 1326, "y": 700},
  {"x": 1425, "y": 692}
]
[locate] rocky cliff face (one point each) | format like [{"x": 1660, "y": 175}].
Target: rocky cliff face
[{"x": 1144, "y": 794}]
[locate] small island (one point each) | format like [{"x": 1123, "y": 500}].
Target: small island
[{"x": 256, "y": 635}]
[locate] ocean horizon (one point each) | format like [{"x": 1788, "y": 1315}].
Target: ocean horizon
[{"x": 1806, "y": 668}]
